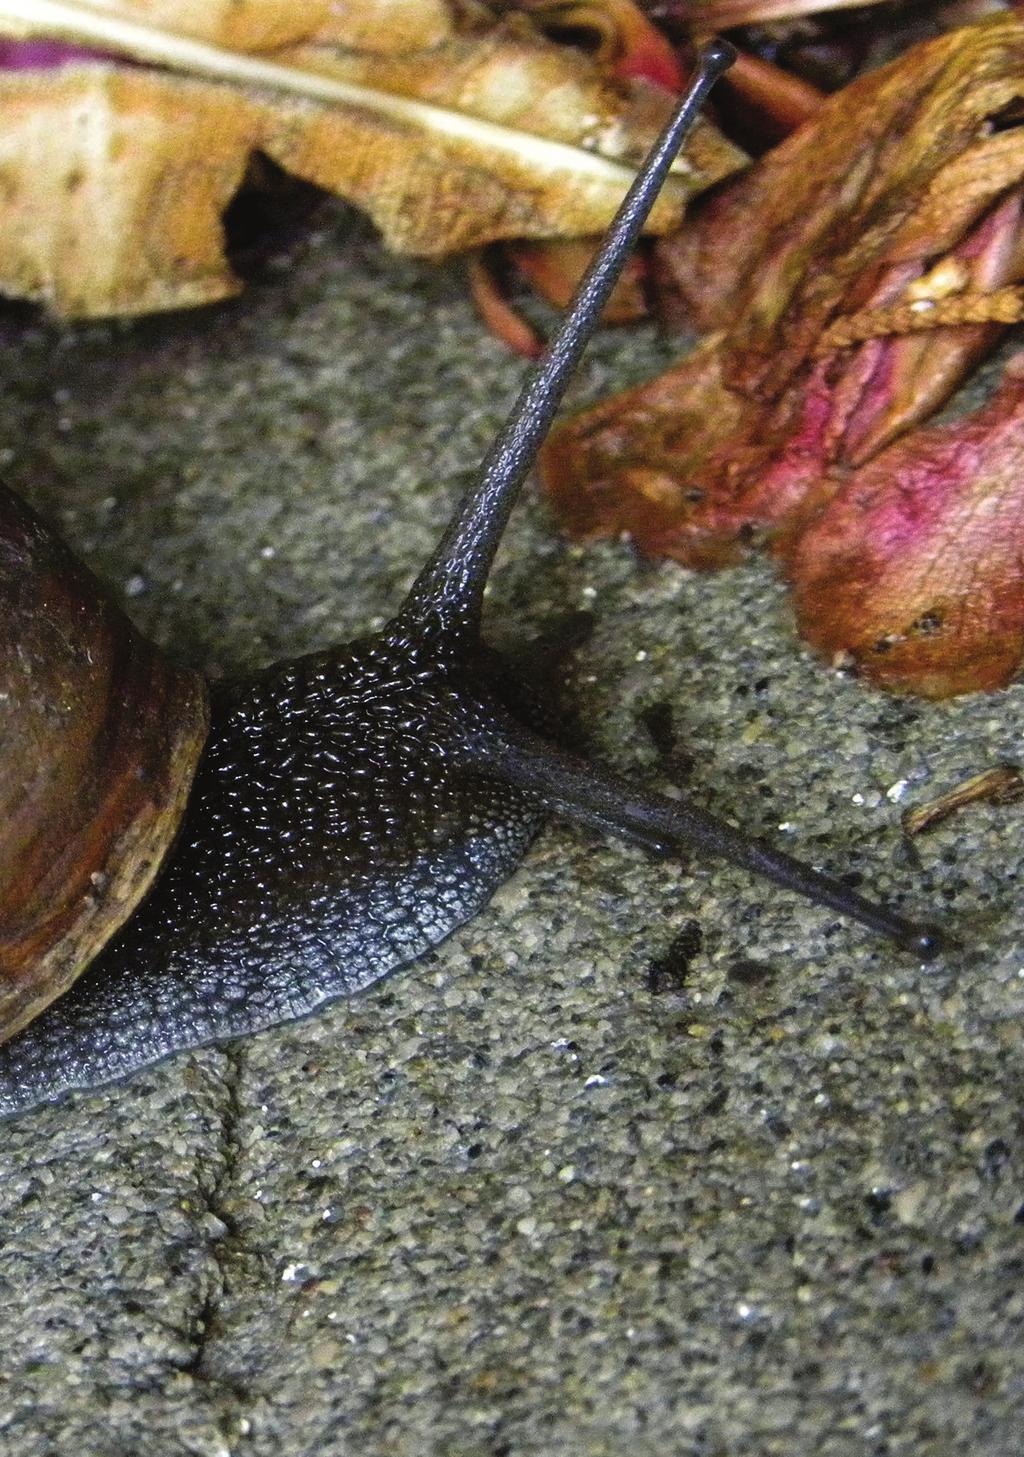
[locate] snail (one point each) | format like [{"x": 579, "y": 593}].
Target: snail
[{"x": 225, "y": 859}]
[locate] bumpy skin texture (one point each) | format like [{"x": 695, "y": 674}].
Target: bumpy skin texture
[{"x": 336, "y": 831}]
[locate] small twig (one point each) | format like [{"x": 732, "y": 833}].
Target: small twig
[{"x": 1001, "y": 785}]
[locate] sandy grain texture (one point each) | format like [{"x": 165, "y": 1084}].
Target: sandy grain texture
[{"x": 511, "y": 1202}]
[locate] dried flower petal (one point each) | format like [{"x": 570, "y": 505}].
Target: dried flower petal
[
  {"x": 913, "y": 569},
  {"x": 556, "y": 268},
  {"x": 500, "y": 317},
  {"x": 760, "y": 102},
  {"x": 625, "y": 41},
  {"x": 904, "y": 188}
]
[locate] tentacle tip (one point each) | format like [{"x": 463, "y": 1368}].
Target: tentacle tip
[
  {"x": 925, "y": 942},
  {"x": 716, "y": 57}
]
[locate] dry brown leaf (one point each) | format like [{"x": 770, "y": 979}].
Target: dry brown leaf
[
  {"x": 722, "y": 14},
  {"x": 115, "y": 176}
]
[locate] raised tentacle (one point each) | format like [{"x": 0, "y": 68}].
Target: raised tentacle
[{"x": 448, "y": 592}]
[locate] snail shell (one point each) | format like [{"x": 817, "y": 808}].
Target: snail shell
[{"x": 100, "y": 740}]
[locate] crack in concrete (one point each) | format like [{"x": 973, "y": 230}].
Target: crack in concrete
[{"x": 224, "y": 1251}]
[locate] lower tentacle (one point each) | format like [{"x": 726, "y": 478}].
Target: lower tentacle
[{"x": 593, "y": 796}]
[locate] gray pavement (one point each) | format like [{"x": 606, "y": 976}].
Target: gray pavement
[{"x": 513, "y": 1201}]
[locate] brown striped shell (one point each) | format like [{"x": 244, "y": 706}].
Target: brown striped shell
[{"x": 99, "y": 741}]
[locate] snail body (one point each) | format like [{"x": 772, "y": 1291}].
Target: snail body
[
  {"x": 341, "y": 814},
  {"x": 331, "y": 835}
]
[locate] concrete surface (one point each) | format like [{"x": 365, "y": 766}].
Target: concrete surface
[{"x": 512, "y": 1201}]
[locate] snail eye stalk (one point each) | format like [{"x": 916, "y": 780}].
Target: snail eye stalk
[
  {"x": 450, "y": 588},
  {"x": 593, "y": 796}
]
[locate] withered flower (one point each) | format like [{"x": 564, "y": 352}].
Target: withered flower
[{"x": 897, "y": 205}]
